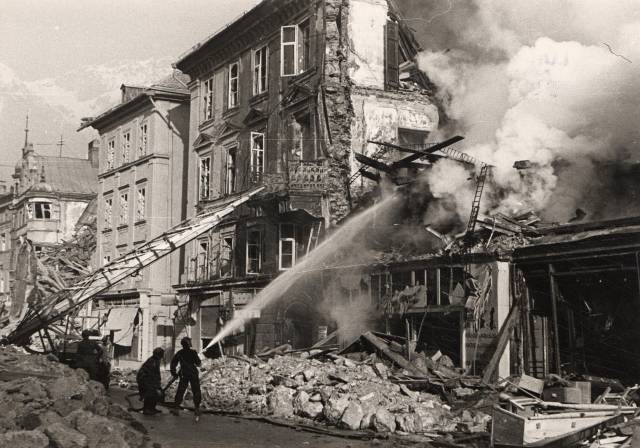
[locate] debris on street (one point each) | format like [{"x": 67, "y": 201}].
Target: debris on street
[{"x": 44, "y": 403}]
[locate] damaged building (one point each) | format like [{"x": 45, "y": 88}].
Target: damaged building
[{"x": 284, "y": 97}]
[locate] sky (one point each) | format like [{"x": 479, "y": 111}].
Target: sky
[{"x": 61, "y": 60}]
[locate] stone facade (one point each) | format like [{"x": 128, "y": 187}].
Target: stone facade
[{"x": 142, "y": 191}]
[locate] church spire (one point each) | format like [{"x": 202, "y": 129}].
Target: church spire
[{"x": 26, "y": 132}]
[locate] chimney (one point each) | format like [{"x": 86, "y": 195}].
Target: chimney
[{"x": 93, "y": 152}]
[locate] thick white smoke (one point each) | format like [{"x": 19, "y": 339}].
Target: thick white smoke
[{"x": 556, "y": 83}]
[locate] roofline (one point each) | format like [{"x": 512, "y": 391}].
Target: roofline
[
  {"x": 149, "y": 93},
  {"x": 200, "y": 45}
]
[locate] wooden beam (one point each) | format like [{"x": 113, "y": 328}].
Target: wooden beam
[
  {"x": 395, "y": 357},
  {"x": 553, "y": 285},
  {"x": 503, "y": 340}
]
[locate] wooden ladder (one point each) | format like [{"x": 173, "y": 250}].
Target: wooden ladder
[
  {"x": 475, "y": 206},
  {"x": 314, "y": 236}
]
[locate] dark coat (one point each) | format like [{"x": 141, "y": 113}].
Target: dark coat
[
  {"x": 189, "y": 362},
  {"x": 148, "y": 376}
]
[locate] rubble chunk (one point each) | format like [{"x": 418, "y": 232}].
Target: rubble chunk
[
  {"x": 64, "y": 437},
  {"x": 352, "y": 416},
  {"x": 383, "y": 421}
]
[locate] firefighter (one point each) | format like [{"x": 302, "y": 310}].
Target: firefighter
[
  {"x": 149, "y": 382},
  {"x": 88, "y": 354},
  {"x": 104, "y": 365},
  {"x": 189, "y": 374}
]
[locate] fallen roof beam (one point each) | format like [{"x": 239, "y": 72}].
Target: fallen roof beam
[{"x": 372, "y": 163}]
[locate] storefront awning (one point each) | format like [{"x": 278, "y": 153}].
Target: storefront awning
[{"x": 122, "y": 321}]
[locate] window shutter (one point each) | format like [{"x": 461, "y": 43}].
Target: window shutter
[{"x": 392, "y": 72}]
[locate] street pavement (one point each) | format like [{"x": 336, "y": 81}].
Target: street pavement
[{"x": 214, "y": 431}]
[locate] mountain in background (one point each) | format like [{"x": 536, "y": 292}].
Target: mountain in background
[{"x": 56, "y": 105}]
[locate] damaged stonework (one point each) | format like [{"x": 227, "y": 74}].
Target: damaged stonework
[{"x": 337, "y": 104}]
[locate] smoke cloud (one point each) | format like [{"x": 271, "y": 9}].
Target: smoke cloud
[{"x": 555, "y": 83}]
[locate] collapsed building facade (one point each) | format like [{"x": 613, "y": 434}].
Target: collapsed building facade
[{"x": 283, "y": 97}]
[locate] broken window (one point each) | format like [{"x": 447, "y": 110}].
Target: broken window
[
  {"x": 126, "y": 146},
  {"x": 392, "y": 70},
  {"x": 260, "y": 58},
  {"x": 294, "y": 49},
  {"x": 254, "y": 251},
  {"x": 143, "y": 139},
  {"x": 257, "y": 155},
  {"x": 108, "y": 212},
  {"x": 202, "y": 259},
  {"x": 124, "y": 209},
  {"x": 226, "y": 256},
  {"x": 42, "y": 210},
  {"x": 234, "y": 71},
  {"x": 287, "y": 247},
  {"x": 207, "y": 99},
  {"x": 304, "y": 142},
  {"x": 230, "y": 186},
  {"x": 111, "y": 154},
  {"x": 411, "y": 137},
  {"x": 204, "y": 178},
  {"x": 141, "y": 204}
]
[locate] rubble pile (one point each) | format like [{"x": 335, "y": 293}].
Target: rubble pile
[
  {"x": 337, "y": 391},
  {"x": 44, "y": 403}
]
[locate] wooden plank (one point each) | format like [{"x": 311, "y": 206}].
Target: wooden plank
[
  {"x": 554, "y": 316},
  {"x": 503, "y": 339},
  {"x": 531, "y": 384},
  {"x": 395, "y": 357}
]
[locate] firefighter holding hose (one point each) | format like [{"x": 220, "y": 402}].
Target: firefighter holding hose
[{"x": 189, "y": 374}]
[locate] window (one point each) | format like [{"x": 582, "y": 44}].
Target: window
[
  {"x": 289, "y": 50},
  {"x": 257, "y": 155},
  {"x": 108, "y": 213},
  {"x": 202, "y": 259},
  {"x": 304, "y": 142},
  {"x": 411, "y": 137},
  {"x": 304, "y": 53},
  {"x": 2, "y": 282},
  {"x": 124, "y": 208},
  {"x": 230, "y": 186},
  {"x": 126, "y": 146},
  {"x": 254, "y": 251},
  {"x": 226, "y": 256},
  {"x": 391, "y": 43},
  {"x": 141, "y": 204},
  {"x": 143, "y": 139},
  {"x": 41, "y": 210},
  {"x": 207, "y": 99},
  {"x": 111, "y": 154},
  {"x": 204, "y": 178},
  {"x": 294, "y": 49},
  {"x": 3, "y": 242},
  {"x": 287, "y": 247},
  {"x": 260, "y": 58},
  {"x": 234, "y": 70}
]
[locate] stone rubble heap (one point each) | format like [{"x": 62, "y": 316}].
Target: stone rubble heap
[
  {"x": 338, "y": 392},
  {"x": 46, "y": 404}
]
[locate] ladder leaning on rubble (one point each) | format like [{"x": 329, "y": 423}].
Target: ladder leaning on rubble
[{"x": 66, "y": 301}]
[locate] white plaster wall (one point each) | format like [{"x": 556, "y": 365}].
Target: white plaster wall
[
  {"x": 367, "y": 19},
  {"x": 378, "y": 118},
  {"x": 69, "y": 214}
]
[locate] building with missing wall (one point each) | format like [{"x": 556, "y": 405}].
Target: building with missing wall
[{"x": 283, "y": 97}]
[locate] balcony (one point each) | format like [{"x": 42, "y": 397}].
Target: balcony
[{"x": 203, "y": 268}]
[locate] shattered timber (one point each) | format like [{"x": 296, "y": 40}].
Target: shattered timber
[{"x": 275, "y": 200}]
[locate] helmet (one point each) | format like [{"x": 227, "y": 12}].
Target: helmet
[
  {"x": 186, "y": 341},
  {"x": 158, "y": 352}
]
